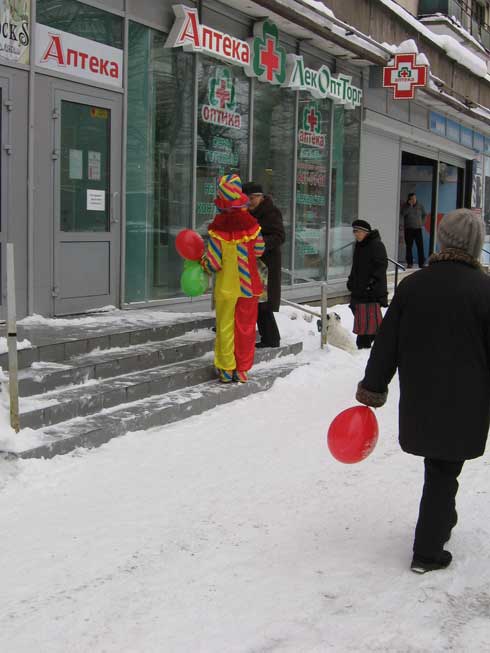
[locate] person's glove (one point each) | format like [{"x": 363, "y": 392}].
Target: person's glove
[{"x": 370, "y": 398}]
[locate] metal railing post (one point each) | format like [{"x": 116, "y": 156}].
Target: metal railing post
[
  {"x": 12, "y": 341},
  {"x": 323, "y": 333}
]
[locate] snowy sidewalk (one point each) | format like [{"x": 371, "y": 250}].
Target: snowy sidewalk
[{"x": 236, "y": 532}]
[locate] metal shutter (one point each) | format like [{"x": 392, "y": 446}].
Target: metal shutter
[{"x": 379, "y": 187}]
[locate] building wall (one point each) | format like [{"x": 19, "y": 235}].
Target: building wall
[
  {"x": 376, "y": 19},
  {"x": 410, "y": 5}
]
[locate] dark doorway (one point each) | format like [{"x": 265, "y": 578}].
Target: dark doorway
[{"x": 418, "y": 175}]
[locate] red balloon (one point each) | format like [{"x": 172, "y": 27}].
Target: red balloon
[
  {"x": 353, "y": 434},
  {"x": 189, "y": 245}
]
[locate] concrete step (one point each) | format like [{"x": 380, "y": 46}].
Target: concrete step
[
  {"x": 154, "y": 411},
  {"x": 44, "y": 377},
  {"x": 87, "y": 399},
  {"x": 57, "y": 345}
]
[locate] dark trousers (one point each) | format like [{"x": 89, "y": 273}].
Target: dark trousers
[
  {"x": 437, "y": 512},
  {"x": 364, "y": 342},
  {"x": 266, "y": 323},
  {"x": 414, "y": 236}
]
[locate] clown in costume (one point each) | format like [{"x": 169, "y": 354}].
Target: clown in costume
[{"x": 234, "y": 244}]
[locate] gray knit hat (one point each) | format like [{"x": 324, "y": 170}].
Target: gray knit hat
[{"x": 462, "y": 229}]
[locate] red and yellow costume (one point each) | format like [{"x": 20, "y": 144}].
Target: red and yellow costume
[{"x": 234, "y": 244}]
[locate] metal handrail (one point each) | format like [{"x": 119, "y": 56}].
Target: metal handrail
[
  {"x": 398, "y": 266},
  {"x": 339, "y": 249}
]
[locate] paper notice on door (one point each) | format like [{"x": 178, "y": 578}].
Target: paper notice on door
[
  {"x": 95, "y": 200},
  {"x": 75, "y": 168},
  {"x": 94, "y": 159}
]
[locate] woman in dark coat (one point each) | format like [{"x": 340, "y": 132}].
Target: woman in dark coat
[
  {"x": 436, "y": 332},
  {"x": 367, "y": 279},
  {"x": 269, "y": 218}
]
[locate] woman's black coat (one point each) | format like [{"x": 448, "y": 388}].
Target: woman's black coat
[
  {"x": 367, "y": 279},
  {"x": 437, "y": 333},
  {"x": 270, "y": 219}
]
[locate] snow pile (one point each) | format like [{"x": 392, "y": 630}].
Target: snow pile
[
  {"x": 235, "y": 531},
  {"x": 21, "y": 344},
  {"x": 111, "y": 317},
  {"x": 9, "y": 439},
  {"x": 408, "y": 47}
]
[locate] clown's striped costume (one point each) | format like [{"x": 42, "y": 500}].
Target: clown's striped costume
[
  {"x": 214, "y": 261},
  {"x": 234, "y": 244}
]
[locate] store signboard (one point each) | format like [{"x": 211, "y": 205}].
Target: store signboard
[
  {"x": 15, "y": 30},
  {"x": 405, "y": 75},
  {"x": 73, "y": 55},
  {"x": 262, "y": 57}
]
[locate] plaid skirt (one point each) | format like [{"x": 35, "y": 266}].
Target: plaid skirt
[{"x": 367, "y": 319}]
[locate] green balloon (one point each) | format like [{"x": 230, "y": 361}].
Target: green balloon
[{"x": 193, "y": 281}]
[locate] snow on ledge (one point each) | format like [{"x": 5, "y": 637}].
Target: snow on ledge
[
  {"x": 449, "y": 44},
  {"x": 22, "y": 344},
  {"x": 454, "y": 50}
]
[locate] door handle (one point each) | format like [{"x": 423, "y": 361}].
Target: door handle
[{"x": 114, "y": 214}]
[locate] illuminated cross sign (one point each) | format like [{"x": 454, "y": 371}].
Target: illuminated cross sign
[
  {"x": 404, "y": 76},
  {"x": 270, "y": 60}
]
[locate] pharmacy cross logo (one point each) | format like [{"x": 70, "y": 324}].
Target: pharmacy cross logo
[
  {"x": 404, "y": 76},
  {"x": 269, "y": 58},
  {"x": 221, "y": 109},
  {"x": 222, "y": 90},
  {"x": 310, "y": 132},
  {"x": 312, "y": 120}
]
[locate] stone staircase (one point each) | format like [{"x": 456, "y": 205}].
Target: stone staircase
[{"x": 82, "y": 391}]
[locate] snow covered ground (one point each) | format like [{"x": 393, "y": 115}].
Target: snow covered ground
[{"x": 237, "y": 532}]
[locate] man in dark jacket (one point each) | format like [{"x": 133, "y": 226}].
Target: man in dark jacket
[
  {"x": 270, "y": 220},
  {"x": 437, "y": 333},
  {"x": 367, "y": 279},
  {"x": 413, "y": 216}
]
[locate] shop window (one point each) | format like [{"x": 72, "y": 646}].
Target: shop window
[
  {"x": 85, "y": 146},
  {"x": 345, "y": 189},
  {"x": 312, "y": 186},
  {"x": 159, "y": 168},
  {"x": 486, "y": 209},
  {"x": 222, "y": 132},
  {"x": 273, "y": 153},
  {"x": 82, "y": 20}
]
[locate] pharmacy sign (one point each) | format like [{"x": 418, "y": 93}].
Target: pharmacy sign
[
  {"x": 222, "y": 104},
  {"x": 261, "y": 56},
  {"x": 310, "y": 132},
  {"x": 404, "y": 76}
]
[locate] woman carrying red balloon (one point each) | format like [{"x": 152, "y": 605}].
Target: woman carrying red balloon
[{"x": 234, "y": 244}]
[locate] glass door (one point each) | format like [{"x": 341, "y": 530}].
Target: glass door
[{"x": 87, "y": 197}]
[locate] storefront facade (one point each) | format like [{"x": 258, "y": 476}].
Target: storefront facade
[
  {"x": 134, "y": 109},
  {"x": 419, "y": 147},
  {"x": 117, "y": 116}
]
